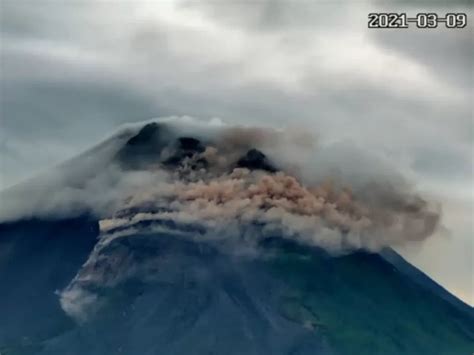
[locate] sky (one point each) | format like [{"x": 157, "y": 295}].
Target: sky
[{"x": 72, "y": 71}]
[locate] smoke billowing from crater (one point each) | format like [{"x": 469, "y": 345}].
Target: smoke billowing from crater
[{"x": 226, "y": 178}]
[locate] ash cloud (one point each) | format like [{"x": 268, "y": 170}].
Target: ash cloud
[
  {"x": 323, "y": 215},
  {"x": 220, "y": 176}
]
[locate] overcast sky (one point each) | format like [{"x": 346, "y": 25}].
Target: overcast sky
[{"x": 72, "y": 71}]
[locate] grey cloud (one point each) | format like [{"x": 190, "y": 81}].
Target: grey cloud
[
  {"x": 446, "y": 52},
  {"x": 277, "y": 15}
]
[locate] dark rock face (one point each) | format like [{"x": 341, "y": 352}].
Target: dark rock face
[
  {"x": 256, "y": 160},
  {"x": 145, "y": 136},
  {"x": 145, "y": 147},
  {"x": 191, "y": 144},
  {"x": 186, "y": 147}
]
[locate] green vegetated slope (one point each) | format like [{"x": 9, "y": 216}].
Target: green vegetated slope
[{"x": 364, "y": 305}]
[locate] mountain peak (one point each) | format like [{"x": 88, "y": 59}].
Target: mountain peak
[{"x": 157, "y": 144}]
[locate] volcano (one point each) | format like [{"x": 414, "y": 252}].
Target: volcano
[{"x": 167, "y": 240}]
